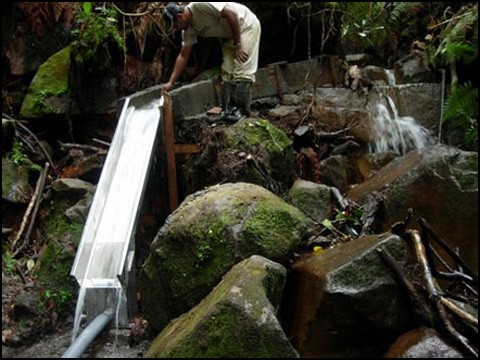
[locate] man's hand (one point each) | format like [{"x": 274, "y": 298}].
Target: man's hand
[
  {"x": 168, "y": 86},
  {"x": 241, "y": 55}
]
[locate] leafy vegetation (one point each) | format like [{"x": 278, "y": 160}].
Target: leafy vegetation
[
  {"x": 8, "y": 263},
  {"x": 18, "y": 155},
  {"x": 459, "y": 46},
  {"x": 451, "y": 43},
  {"x": 364, "y": 24},
  {"x": 462, "y": 106},
  {"x": 96, "y": 29}
]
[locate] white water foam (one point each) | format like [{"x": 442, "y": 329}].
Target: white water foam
[{"x": 392, "y": 132}]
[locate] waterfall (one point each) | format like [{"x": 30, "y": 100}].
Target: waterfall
[
  {"x": 392, "y": 132},
  {"x": 391, "y": 77}
]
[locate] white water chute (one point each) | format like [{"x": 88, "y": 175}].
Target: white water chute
[{"x": 104, "y": 261}]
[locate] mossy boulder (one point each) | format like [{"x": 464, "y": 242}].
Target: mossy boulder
[
  {"x": 210, "y": 232},
  {"x": 237, "y": 319},
  {"x": 47, "y": 94},
  {"x": 313, "y": 199},
  {"x": 252, "y": 150},
  {"x": 271, "y": 150}
]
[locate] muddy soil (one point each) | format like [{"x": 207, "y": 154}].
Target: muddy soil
[{"x": 107, "y": 345}]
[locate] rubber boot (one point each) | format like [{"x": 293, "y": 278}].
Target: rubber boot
[
  {"x": 244, "y": 93},
  {"x": 243, "y": 101},
  {"x": 227, "y": 92}
]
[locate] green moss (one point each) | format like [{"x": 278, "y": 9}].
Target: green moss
[
  {"x": 277, "y": 229},
  {"x": 50, "y": 82},
  {"x": 229, "y": 334},
  {"x": 216, "y": 338},
  {"x": 207, "y": 254},
  {"x": 226, "y": 325},
  {"x": 257, "y": 135},
  {"x": 302, "y": 199},
  {"x": 53, "y": 272},
  {"x": 259, "y": 131},
  {"x": 206, "y": 236},
  {"x": 54, "y": 275}
]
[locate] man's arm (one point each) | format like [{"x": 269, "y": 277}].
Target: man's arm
[
  {"x": 180, "y": 64},
  {"x": 231, "y": 16}
]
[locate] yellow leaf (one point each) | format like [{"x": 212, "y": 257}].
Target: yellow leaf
[{"x": 30, "y": 264}]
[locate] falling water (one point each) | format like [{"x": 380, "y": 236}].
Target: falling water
[
  {"x": 391, "y": 77},
  {"x": 392, "y": 132},
  {"x": 78, "y": 312}
]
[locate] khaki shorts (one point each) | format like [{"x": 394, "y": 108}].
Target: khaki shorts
[{"x": 232, "y": 70}]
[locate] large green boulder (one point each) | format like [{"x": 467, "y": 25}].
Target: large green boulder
[
  {"x": 210, "y": 232},
  {"x": 47, "y": 94},
  {"x": 237, "y": 319}
]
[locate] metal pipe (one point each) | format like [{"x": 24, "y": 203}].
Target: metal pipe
[{"x": 82, "y": 342}]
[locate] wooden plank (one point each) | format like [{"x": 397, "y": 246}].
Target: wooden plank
[
  {"x": 170, "y": 152},
  {"x": 187, "y": 148}
]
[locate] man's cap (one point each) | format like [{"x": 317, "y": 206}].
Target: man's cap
[{"x": 169, "y": 12}]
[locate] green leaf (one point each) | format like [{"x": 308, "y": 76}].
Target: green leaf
[
  {"x": 87, "y": 7},
  {"x": 328, "y": 224}
]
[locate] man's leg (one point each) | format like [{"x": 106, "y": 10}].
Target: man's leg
[
  {"x": 228, "y": 91},
  {"x": 244, "y": 94},
  {"x": 244, "y": 73}
]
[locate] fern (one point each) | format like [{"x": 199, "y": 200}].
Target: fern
[
  {"x": 462, "y": 106},
  {"x": 367, "y": 24},
  {"x": 401, "y": 9},
  {"x": 457, "y": 51},
  {"x": 459, "y": 37}
]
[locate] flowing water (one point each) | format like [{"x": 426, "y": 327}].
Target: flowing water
[{"x": 392, "y": 132}]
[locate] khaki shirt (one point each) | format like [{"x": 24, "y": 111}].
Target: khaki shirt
[{"x": 207, "y": 21}]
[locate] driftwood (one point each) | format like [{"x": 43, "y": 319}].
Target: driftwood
[
  {"x": 33, "y": 205},
  {"x": 101, "y": 142},
  {"x": 444, "y": 314},
  {"x": 308, "y": 111},
  {"x": 66, "y": 146},
  {"x": 436, "y": 297},
  {"x": 329, "y": 136},
  {"x": 25, "y": 141},
  {"x": 422, "y": 311},
  {"x": 470, "y": 276}
]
